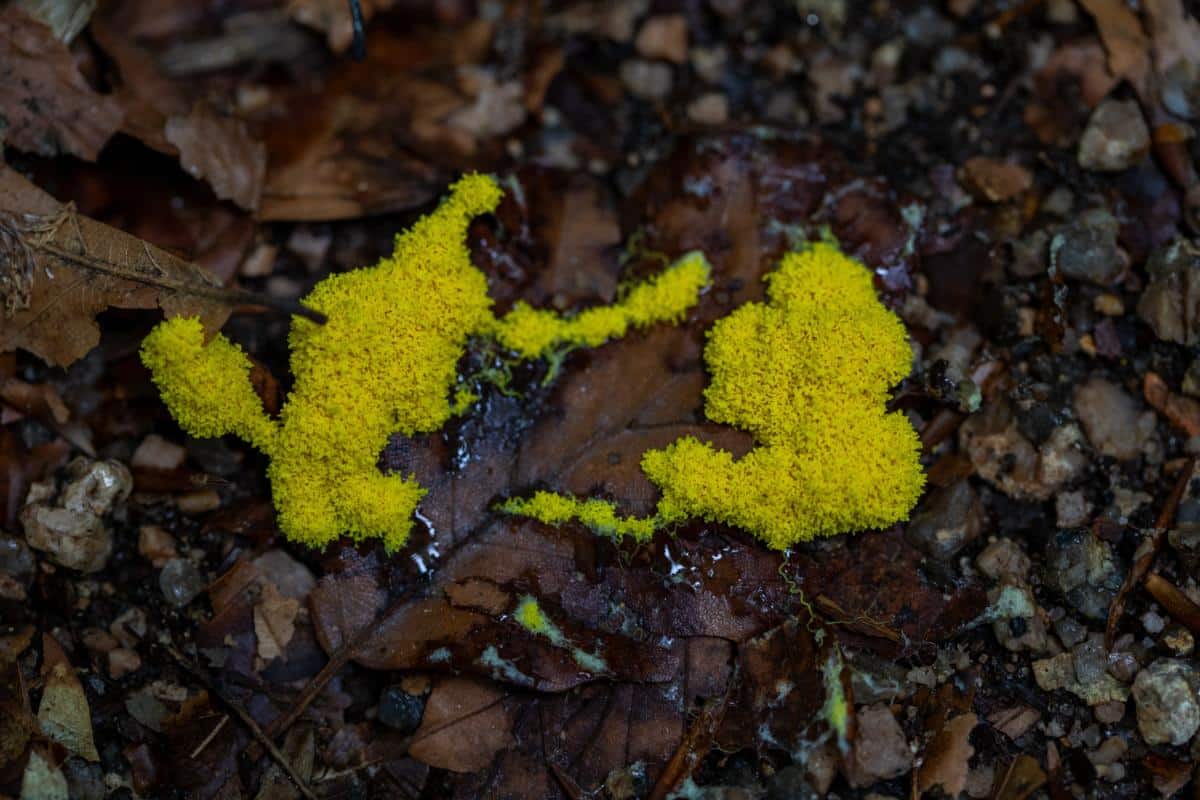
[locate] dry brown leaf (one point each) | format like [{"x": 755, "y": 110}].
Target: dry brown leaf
[
  {"x": 1175, "y": 33},
  {"x": 63, "y": 713},
  {"x": 221, "y": 151},
  {"x": 1121, "y": 32},
  {"x": 1023, "y": 777},
  {"x": 947, "y": 756},
  {"x": 332, "y": 17},
  {"x": 466, "y": 724},
  {"x": 67, "y": 268},
  {"x": 46, "y": 106},
  {"x": 274, "y": 622}
]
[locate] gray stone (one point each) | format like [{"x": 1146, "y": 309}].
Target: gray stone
[
  {"x": 1114, "y": 422},
  {"x": 1083, "y": 569},
  {"x": 1116, "y": 137},
  {"x": 180, "y": 582},
  {"x": 946, "y": 521},
  {"x": 1170, "y": 303},
  {"x": 1086, "y": 248},
  {"x": 1164, "y": 695}
]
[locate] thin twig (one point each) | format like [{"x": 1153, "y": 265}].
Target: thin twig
[
  {"x": 246, "y": 719},
  {"x": 359, "y": 48},
  {"x": 1181, "y": 607},
  {"x": 696, "y": 742},
  {"x": 212, "y": 735},
  {"x": 1145, "y": 561}
]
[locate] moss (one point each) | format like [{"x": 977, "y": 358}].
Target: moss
[
  {"x": 383, "y": 363},
  {"x": 807, "y": 374}
]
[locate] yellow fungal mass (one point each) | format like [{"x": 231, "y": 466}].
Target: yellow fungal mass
[
  {"x": 530, "y": 617},
  {"x": 807, "y": 374},
  {"x": 534, "y": 332},
  {"x": 599, "y": 515},
  {"x": 383, "y": 362}
]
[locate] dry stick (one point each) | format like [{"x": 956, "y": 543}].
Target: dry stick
[
  {"x": 246, "y": 719},
  {"x": 1181, "y": 607},
  {"x": 1141, "y": 567},
  {"x": 696, "y": 743},
  {"x": 336, "y": 661}
]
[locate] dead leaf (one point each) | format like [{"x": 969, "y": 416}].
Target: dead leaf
[
  {"x": 1175, "y": 33},
  {"x": 880, "y": 751},
  {"x": 46, "y": 106},
  {"x": 81, "y": 267},
  {"x": 1014, "y": 722},
  {"x": 785, "y": 676},
  {"x": 368, "y": 141},
  {"x": 220, "y": 150},
  {"x": 1023, "y": 777},
  {"x": 996, "y": 180},
  {"x": 274, "y": 622},
  {"x": 1182, "y": 412},
  {"x": 67, "y": 18},
  {"x": 466, "y": 724},
  {"x": 17, "y": 727},
  {"x": 947, "y": 755},
  {"x": 332, "y": 17},
  {"x": 63, "y": 712},
  {"x": 299, "y": 748},
  {"x": 1126, "y": 43}
]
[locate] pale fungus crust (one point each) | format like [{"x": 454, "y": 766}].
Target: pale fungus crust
[
  {"x": 808, "y": 375},
  {"x": 384, "y": 362}
]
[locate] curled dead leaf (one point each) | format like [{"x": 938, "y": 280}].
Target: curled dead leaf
[
  {"x": 80, "y": 268},
  {"x": 63, "y": 713}
]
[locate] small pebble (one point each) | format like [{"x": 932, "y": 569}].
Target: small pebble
[
  {"x": 1165, "y": 698},
  {"x": 1179, "y": 640},
  {"x": 156, "y": 545},
  {"x": 1116, "y": 137},
  {"x": 400, "y": 710},
  {"x": 180, "y": 582},
  {"x": 664, "y": 37},
  {"x": 647, "y": 80},
  {"x": 155, "y": 452},
  {"x": 709, "y": 109}
]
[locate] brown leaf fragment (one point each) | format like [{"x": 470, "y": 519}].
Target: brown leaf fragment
[
  {"x": 1182, "y": 412},
  {"x": 947, "y": 756},
  {"x": 880, "y": 748},
  {"x": 80, "y": 268},
  {"x": 1121, "y": 32},
  {"x": 274, "y": 622},
  {"x": 46, "y": 107},
  {"x": 1023, "y": 777},
  {"x": 63, "y": 713},
  {"x": 466, "y": 724},
  {"x": 1014, "y": 722},
  {"x": 995, "y": 180},
  {"x": 332, "y": 17},
  {"x": 16, "y": 728},
  {"x": 220, "y": 150},
  {"x": 1167, "y": 774},
  {"x": 343, "y": 606}
]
